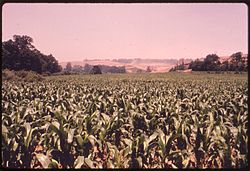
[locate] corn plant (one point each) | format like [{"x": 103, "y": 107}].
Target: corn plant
[{"x": 126, "y": 121}]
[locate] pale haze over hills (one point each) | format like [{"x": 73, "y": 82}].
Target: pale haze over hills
[
  {"x": 157, "y": 65},
  {"x": 71, "y": 32},
  {"x": 131, "y": 65}
]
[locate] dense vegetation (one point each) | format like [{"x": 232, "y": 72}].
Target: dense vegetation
[
  {"x": 87, "y": 68},
  {"x": 19, "y": 54},
  {"x": 236, "y": 62},
  {"x": 120, "y": 121},
  {"x": 24, "y": 76}
]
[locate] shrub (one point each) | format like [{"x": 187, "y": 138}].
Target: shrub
[
  {"x": 9, "y": 75},
  {"x": 27, "y": 76},
  {"x": 31, "y": 76},
  {"x": 46, "y": 74}
]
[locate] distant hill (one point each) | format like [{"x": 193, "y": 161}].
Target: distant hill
[
  {"x": 131, "y": 65},
  {"x": 140, "y": 65}
]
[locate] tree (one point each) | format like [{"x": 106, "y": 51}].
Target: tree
[
  {"x": 225, "y": 66},
  {"x": 196, "y": 65},
  {"x": 87, "y": 68},
  {"x": 211, "y": 63},
  {"x": 105, "y": 69},
  {"x": 148, "y": 69},
  {"x": 50, "y": 64},
  {"x": 237, "y": 62},
  {"x": 246, "y": 63},
  {"x": 237, "y": 57},
  {"x": 68, "y": 67},
  {"x": 112, "y": 69},
  {"x": 24, "y": 42},
  {"x": 20, "y": 54},
  {"x": 96, "y": 70},
  {"x": 123, "y": 69},
  {"x": 77, "y": 68}
]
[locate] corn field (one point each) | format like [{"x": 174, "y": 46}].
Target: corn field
[{"x": 170, "y": 120}]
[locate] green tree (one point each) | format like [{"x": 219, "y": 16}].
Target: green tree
[
  {"x": 148, "y": 69},
  {"x": 225, "y": 66},
  {"x": 68, "y": 67},
  {"x": 23, "y": 42},
  {"x": 20, "y": 54},
  {"x": 77, "y": 68},
  {"x": 197, "y": 65},
  {"x": 50, "y": 64},
  {"x": 87, "y": 68},
  {"x": 211, "y": 63},
  {"x": 237, "y": 62},
  {"x": 96, "y": 70}
]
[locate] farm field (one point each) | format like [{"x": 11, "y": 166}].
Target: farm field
[
  {"x": 170, "y": 120},
  {"x": 156, "y": 66}
]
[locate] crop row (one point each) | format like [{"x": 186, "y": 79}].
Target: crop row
[{"x": 127, "y": 121}]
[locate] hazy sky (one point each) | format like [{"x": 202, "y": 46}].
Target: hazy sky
[{"x": 164, "y": 30}]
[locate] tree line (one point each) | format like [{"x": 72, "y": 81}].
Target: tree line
[
  {"x": 236, "y": 62},
  {"x": 94, "y": 69},
  {"x": 19, "y": 54}
]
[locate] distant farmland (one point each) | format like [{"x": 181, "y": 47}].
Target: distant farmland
[{"x": 156, "y": 66}]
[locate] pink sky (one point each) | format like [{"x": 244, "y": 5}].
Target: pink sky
[{"x": 73, "y": 32}]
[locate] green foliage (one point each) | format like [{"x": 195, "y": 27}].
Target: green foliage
[
  {"x": 68, "y": 67},
  {"x": 103, "y": 69},
  {"x": 9, "y": 75},
  {"x": 148, "y": 69},
  {"x": 197, "y": 65},
  {"x": 96, "y": 70},
  {"x": 20, "y": 54},
  {"x": 211, "y": 63},
  {"x": 236, "y": 62},
  {"x": 148, "y": 120},
  {"x": 23, "y": 76}
]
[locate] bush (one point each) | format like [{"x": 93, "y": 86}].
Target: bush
[
  {"x": 9, "y": 75},
  {"x": 26, "y": 76},
  {"x": 57, "y": 74},
  {"x": 31, "y": 76},
  {"x": 46, "y": 74}
]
